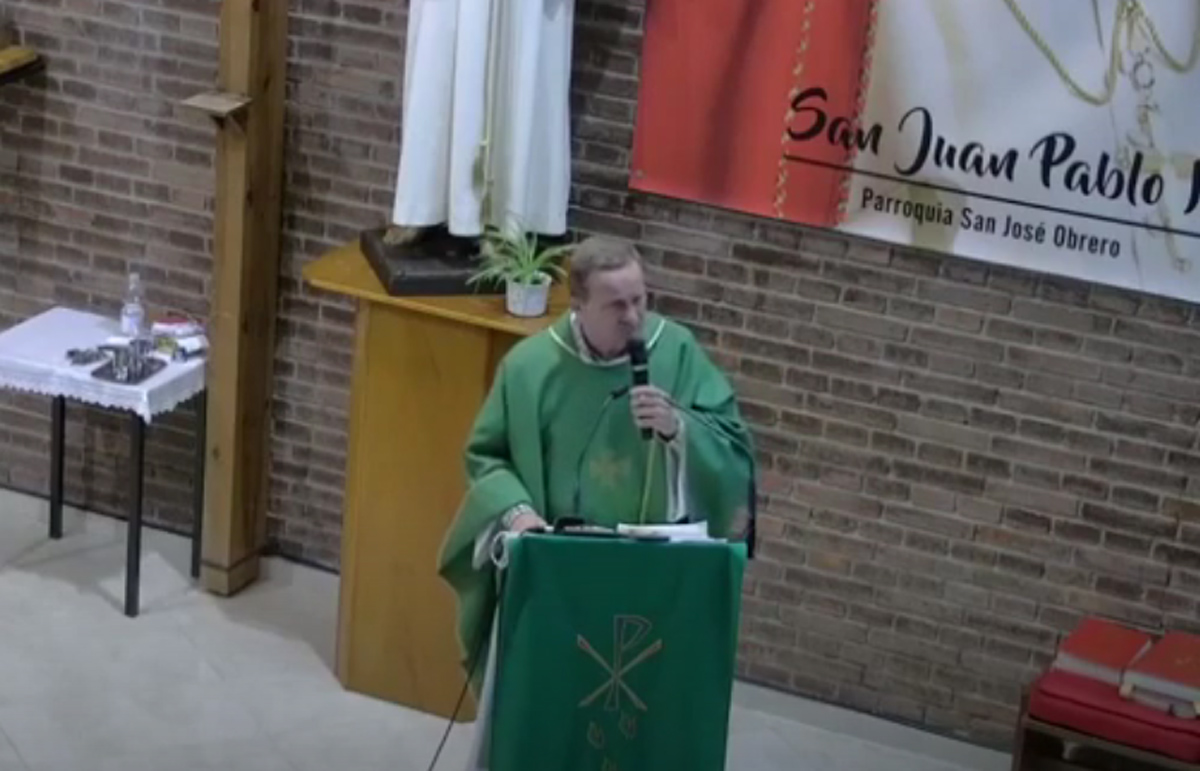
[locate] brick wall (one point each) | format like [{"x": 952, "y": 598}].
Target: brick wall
[
  {"x": 342, "y": 150},
  {"x": 957, "y": 460},
  {"x": 102, "y": 175}
]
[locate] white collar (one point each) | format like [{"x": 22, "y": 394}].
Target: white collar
[{"x": 583, "y": 350}]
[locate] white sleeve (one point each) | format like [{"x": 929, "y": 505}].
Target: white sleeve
[
  {"x": 485, "y": 541},
  {"x": 677, "y": 502}
]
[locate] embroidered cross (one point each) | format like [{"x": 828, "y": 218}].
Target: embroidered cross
[
  {"x": 628, "y": 633},
  {"x": 609, "y": 470}
]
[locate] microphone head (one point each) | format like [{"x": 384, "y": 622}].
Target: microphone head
[
  {"x": 641, "y": 371},
  {"x": 637, "y": 351}
]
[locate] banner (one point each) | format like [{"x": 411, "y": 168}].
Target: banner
[{"x": 1058, "y": 136}]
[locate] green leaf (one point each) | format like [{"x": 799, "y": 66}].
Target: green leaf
[{"x": 514, "y": 255}]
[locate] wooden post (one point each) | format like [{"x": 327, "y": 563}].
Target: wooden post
[{"x": 249, "y": 112}]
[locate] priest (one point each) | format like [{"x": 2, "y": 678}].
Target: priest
[
  {"x": 560, "y": 435},
  {"x": 485, "y": 134}
]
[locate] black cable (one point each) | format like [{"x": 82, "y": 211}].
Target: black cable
[
  {"x": 462, "y": 696},
  {"x": 587, "y": 445},
  {"x": 474, "y": 661},
  {"x": 708, "y": 420}
]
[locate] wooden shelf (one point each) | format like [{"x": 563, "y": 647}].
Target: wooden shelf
[
  {"x": 218, "y": 104},
  {"x": 346, "y": 271},
  {"x": 17, "y": 62}
]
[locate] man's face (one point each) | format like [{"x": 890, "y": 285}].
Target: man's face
[{"x": 614, "y": 309}]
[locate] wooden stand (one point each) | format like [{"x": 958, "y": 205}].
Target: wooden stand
[{"x": 422, "y": 367}]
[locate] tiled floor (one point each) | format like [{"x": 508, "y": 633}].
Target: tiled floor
[{"x": 199, "y": 683}]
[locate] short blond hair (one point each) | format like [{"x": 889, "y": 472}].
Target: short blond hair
[{"x": 598, "y": 254}]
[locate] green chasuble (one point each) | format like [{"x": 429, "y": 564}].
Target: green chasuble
[{"x": 550, "y": 430}]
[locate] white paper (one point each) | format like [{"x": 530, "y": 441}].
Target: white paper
[{"x": 693, "y": 531}]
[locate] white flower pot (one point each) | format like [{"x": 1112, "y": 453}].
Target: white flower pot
[{"x": 528, "y": 300}]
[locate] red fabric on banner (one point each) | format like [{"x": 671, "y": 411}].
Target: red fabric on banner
[{"x": 717, "y": 82}]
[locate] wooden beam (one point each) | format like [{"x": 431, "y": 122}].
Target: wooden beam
[{"x": 245, "y": 277}]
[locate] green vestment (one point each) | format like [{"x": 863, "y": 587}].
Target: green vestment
[{"x": 550, "y": 430}]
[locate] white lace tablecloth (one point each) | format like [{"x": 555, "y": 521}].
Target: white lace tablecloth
[{"x": 33, "y": 358}]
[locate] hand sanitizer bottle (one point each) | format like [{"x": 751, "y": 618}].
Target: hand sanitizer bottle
[{"x": 133, "y": 313}]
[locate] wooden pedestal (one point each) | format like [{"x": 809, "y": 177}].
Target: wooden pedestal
[{"x": 422, "y": 367}]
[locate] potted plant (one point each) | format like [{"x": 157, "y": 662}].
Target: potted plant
[{"x": 527, "y": 270}]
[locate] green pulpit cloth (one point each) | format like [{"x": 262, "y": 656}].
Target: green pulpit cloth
[{"x": 615, "y": 655}]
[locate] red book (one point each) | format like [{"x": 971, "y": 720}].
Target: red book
[
  {"x": 1168, "y": 675},
  {"x": 1101, "y": 650}
]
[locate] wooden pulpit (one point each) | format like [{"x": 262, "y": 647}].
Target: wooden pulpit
[{"x": 422, "y": 367}]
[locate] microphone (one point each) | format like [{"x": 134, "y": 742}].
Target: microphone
[
  {"x": 703, "y": 419},
  {"x": 641, "y": 370}
]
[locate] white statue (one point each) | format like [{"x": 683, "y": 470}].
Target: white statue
[{"x": 486, "y": 134}]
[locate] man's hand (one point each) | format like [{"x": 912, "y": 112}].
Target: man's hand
[
  {"x": 524, "y": 522},
  {"x": 652, "y": 409}
]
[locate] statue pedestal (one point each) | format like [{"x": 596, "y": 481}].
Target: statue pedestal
[{"x": 436, "y": 264}]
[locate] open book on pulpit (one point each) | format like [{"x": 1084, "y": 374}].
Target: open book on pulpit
[
  {"x": 616, "y": 653},
  {"x": 687, "y": 532}
]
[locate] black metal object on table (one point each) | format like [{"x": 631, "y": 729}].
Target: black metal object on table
[
  {"x": 131, "y": 364},
  {"x": 139, "y": 370}
]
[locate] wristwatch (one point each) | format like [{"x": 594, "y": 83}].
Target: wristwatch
[{"x": 510, "y": 516}]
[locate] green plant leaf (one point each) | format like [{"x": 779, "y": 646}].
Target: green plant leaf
[{"x": 515, "y": 255}]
